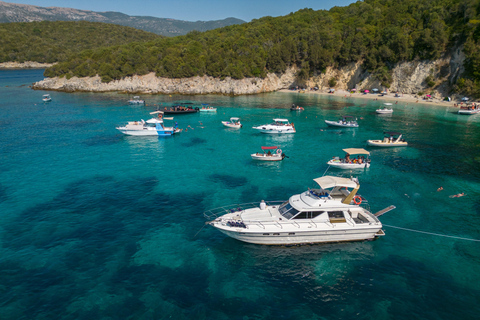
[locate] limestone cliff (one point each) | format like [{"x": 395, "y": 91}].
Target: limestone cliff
[{"x": 407, "y": 77}]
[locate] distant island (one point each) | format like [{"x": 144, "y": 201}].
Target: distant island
[{"x": 13, "y": 12}]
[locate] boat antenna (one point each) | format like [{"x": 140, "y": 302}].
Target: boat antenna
[{"x": 326, "y": 171}]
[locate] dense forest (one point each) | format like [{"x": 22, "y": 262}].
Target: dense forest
[
  {"x": 49, "y": 42},
  {"x": 379, "y": 33}
]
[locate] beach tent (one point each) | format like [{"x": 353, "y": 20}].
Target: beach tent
[
  {"x": 375, "y": 89},
  {"x": 465, "y": 99}
]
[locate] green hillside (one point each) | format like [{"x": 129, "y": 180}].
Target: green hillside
[
  {"x": 50, "y": 42},
  {"x": 378, "y": 32}
]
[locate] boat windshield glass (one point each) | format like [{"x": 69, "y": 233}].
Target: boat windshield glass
[{"x": 287, "y": 210}]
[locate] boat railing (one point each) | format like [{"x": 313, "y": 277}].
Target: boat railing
[{"x": 232, "y": 208}]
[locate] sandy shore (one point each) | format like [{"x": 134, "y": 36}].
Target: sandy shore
[{"x": 390, "y": 97}]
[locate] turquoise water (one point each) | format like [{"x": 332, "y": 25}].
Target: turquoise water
[{"x": 97, "y": 225}]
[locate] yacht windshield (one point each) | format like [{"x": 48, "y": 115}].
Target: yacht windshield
[{"x": 287, "y": 210}]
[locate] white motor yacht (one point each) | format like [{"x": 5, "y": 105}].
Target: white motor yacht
[
  {"x": 151, "y": 127},
  {"x": 331, "y": 213},
  {"x": 352, "y": 163},
  {"x": 391, "y": 139},
  {"x": 46, "y": 98},
  {"x": 469, "y": 109},
  {"x": 278, "y": 126}
]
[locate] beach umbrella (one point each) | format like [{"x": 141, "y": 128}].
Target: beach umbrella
[
  {"x": 429, "y": 96},
  {"x": 375, "y": 89},
  {"x": 354, "y": 89},
  {"x": 465, "y": 99},
  {"x": 366, "y": 91}
]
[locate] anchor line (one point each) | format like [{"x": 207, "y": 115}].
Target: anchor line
[{"x": 433, "y": 234}]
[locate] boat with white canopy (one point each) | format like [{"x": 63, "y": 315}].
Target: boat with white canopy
[
  {"x": 136, "y": 100},
  {"x": 151, "y": 127},
  {"x": 386, "y": 109},
  {"x": 278, "y": 126},
  {"x": 361, "y": 162},
  {"x": 233, "y": 123},
  {"x": 269, "y": 154},
  {"x": 391, "y": 139},
  {"x": 345, "y": 122},
  {"x": 332, "y": 212}
]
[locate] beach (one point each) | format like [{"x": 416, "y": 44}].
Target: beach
[{"x": 388, "y": 98}]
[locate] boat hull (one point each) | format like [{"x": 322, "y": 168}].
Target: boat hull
[
  {"x": 386, "y": 111},
  {"x": 339, "y": 124},
  {"x": 270, "y": 130},
  {"x": 468, "y": 112},
  {"x": 343, "y": 165},
  {"x": 295, "y": 237},
  {"x": 146, "y": 132},
  {"x": 231, "y": 125},
  {"x": 273, "y": 157},
  {"x": 381, "y": 143}
]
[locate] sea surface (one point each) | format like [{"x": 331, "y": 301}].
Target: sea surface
[{"x": 98, "y": 225}]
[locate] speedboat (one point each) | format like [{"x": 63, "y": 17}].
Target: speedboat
[
  {"x": 278, "y": 126},
  {"x": 46, "y": 98},
  {"x": 333, "y": 212},
  {"x": 273, "y": 154},
  {"x": 391, "y": 139},
  {"x": 136, "y": 100},
  {"x": 386, "y": 109},
  {"x": 469, "y": 110},
  {"x": 181, "y": 109},
  {"x": 359, "y": 163},
  {"x": 233, "y": 123},
  {"x": 345, "y": 121},
  {"x": 206, "y": 108},
  {"x": 151, "y": 127}
]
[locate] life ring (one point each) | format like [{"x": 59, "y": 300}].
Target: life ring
[
  {"x": 357, "y": 200},
  {"x": 279, "y": 151}
]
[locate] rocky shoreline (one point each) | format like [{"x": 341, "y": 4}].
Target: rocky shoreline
[
  {"x": 25, "y": 65},
  {"x": 407, "y": 78}
]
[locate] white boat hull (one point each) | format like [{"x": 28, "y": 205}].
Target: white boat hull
[
  {"x": 468, "y": 112},
  {"x": 272, "y": 130},
  {"x": 296, "y": 237},
  {"x": 208, "y": 110},
  {"x": 343, "y": 165},
  {"x": 384, "y": 111},
  {"x": 231, "y": 125},
  {"x": 381, "y": 143},
  {"x": 341, "y": 124},
  {"x": 265, "y": 157}
]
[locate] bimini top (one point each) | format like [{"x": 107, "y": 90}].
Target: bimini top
[
  {"x": 155, "y": 112},
  {"x": 280, "y": 120},
  {"x": 269, "y": 148},
  {"x": 234, "y": 119},
  {"x": 327, "y": 182},
  {"x": 388, "y": 104},
  {"x": 356, "y": 151}
]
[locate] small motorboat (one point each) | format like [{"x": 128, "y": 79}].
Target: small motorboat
[
  {"x": 332, "y": 212},
  {"x": 273, "y": 154},
  {"x": 361, "y": 162},
  {"x": 391, "y": 139},
  {"x": 233, "y": 123},
  {"x": 181, "y": 109},
  {"x": 278, "y": 126},
  {"x": 469, "y": 109},
  {"x": 46, "y": 98},
  {"x": 345, "y": 122},
  {"x": 386, "y": 109},
  {"x": 206, "y": 108},
  {"x": 136, "y": 100},
  {"x": 296, "y": 108},
  {"x": 151, "y": 127}
]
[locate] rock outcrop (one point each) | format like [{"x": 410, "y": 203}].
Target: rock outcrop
[{"x": 407, "y": 77}]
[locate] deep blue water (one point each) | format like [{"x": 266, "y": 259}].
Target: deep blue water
[{"x": 97, "y": 225}]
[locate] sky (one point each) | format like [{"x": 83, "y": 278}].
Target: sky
[{"x": 193, "y": 10}]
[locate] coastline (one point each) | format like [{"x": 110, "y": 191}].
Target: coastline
[{"x": 388, "y": 98}]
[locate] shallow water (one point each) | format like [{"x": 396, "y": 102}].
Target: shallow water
[{"x": 97, "y": 225}]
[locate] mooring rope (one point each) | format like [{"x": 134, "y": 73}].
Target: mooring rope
[{"x": 433, "y": 234}]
